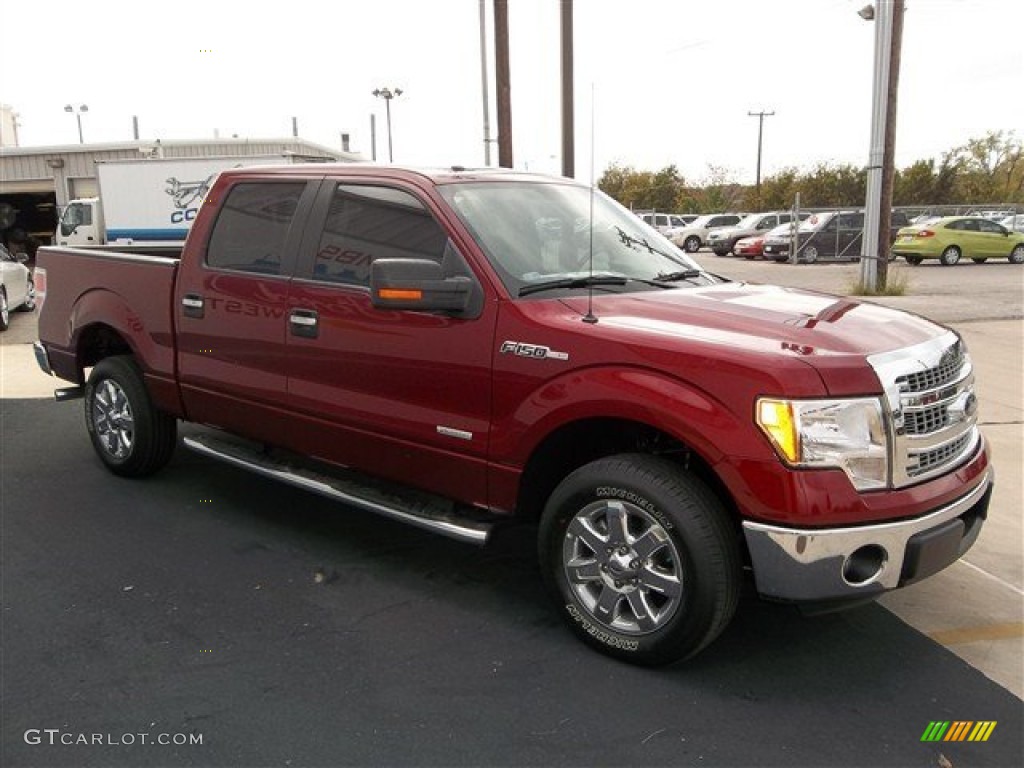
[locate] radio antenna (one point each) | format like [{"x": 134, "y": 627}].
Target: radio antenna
[{"x": 590, "y": 317}]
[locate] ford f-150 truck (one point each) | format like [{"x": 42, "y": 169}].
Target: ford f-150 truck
[{"x": 459, "y": 348}]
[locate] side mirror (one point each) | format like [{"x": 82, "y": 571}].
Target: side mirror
[{"x": 417, "y": 284}]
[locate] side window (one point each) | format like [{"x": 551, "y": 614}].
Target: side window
[
  {"x": 851, "y": 221},
  {"x": 366, "y": 223},
  {"x": 991, "y": 227},
  {"x": 252, "y": 227},
  {"x": 768, "y": 222}
]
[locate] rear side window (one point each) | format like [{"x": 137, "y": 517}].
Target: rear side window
[
  {"x": 366, "y": 223},
  {"x": 252, "y": 227}
]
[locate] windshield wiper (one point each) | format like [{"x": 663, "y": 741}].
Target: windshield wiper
[
  {"x": 675, "y": 277},
  {"x": 573, "y": 282}
]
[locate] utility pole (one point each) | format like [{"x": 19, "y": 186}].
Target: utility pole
[
  {"x": 888, "y": 17},
  {"x": 483, "y": 84},
  {"x": 568, "y": 121},
  {"x": 760, "y": 134},
  {"x": 501, "y": 73}
]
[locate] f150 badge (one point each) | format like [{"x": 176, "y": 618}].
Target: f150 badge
[{"x": 536, "y": 351}]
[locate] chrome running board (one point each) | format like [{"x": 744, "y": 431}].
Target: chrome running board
[{"x": 423, "y": 510}]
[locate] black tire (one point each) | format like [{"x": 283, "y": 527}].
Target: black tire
[
  {"x": 950, "y": 256},
  {"x": 656, "y": 564},
  {"x": 722, "y": 253},
  {"x": 809, "y": 255},
  {"x": 914, "y": 260},
  {"x": 691, "y": 244},
  {"x": 978, "y": 260},
  {"x": 5, "y": 311},
  {"x": 129, "y": 434},
  {"x": 30, "y": 300},
  {"x": 1017, "y": 254}
]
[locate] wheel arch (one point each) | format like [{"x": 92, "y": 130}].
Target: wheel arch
[{"x": 582, "y": 441}]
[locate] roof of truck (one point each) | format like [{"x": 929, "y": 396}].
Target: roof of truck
[{"x": 451, "y": 174}]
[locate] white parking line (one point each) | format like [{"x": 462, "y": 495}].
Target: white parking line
[{"x": 994, "y": 578}]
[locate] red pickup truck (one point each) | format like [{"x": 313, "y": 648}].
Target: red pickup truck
[{"x": 457, "y": 348}]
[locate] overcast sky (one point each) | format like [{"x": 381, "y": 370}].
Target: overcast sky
[{"x": 673, "y": 80}]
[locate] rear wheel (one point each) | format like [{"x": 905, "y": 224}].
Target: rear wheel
[
  {"x": 130, "y": 435},
  {"x": 641, "y": 558},
  {"x": 950, "y": 256},
  {"x": 810, "y": 254},
  {"x": 5, "y": 312},
  {"x": 1017, "y": 254},
  {"x": 692, "y": 244}
]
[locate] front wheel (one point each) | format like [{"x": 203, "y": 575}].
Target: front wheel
[
  {"x": 130, "y": 435},
  {"x": 1017, "y": 254},
  {"x": 641, "y": 559},
  {"x": 5, "y": 311},
  {"x": 692, "y": 244}
]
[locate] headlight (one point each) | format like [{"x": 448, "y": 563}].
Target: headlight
[{"x": 847, "y": 434}]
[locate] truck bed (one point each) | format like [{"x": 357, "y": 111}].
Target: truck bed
[{"x": 95, "y": 290}]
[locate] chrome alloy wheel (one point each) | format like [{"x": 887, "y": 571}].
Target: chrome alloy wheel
[
  {"x": 113, "y": 420},
  {"x": 623, "y": 567}
]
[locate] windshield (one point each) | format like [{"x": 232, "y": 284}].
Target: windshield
[
  {"x": 74, "y": 215},
  {"x": 750, "y": 222},
  {"x": 535, "y": 234}
]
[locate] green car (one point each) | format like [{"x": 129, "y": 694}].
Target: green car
[{"x": 950, "y": 238}]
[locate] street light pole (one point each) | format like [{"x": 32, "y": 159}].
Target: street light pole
[
  {"x": 760, "y": 133},
  {"x": 78, "y": 116},
  {"x": 388, "y": 94}
]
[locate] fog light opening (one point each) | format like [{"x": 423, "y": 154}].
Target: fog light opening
[{"x": 864, "y": 565}]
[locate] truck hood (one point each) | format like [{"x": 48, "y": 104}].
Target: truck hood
[{"x": 831, "y": 333}]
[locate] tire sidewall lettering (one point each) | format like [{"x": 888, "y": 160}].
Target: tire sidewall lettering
[
  {"x": 599, "y": 634},
  {"x": 632, "y": 497}
]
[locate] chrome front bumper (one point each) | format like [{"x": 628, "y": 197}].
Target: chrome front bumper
[{"x": 840, "y": 563}]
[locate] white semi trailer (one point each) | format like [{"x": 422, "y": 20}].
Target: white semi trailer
[{"x": 149, "y": 201}]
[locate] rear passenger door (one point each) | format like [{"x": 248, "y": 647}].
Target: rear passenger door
[
  {"x": 851, "y": 233},
  {"x": 404, "y": 395},
  {"x": 231, "y": 303}
]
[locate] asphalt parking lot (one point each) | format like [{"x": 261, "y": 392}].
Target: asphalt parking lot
[{"x": 280, "y": 629}]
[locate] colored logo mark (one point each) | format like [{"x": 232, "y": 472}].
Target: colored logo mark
[{"x": 959, "y": 730}]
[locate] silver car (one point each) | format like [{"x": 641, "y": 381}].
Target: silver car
[{"x": 17, "y": 292}]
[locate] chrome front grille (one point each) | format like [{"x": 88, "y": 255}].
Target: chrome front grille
[
  {"x": 946, "y": 371},
  {"x": 929, "y": 391}
]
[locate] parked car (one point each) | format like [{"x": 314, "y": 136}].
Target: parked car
[
  {"x": 666, "y": 221},
  {"x": 749, "y": 247},
  {"x": 723, "y": 240},
  {"x": 692, "y": 237},
  {"x": 17, "y": 291},
  {"x": 753, "y": 247},
  {"x": 831, "y": 236},
  {"x": 954, "y": 237}
]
